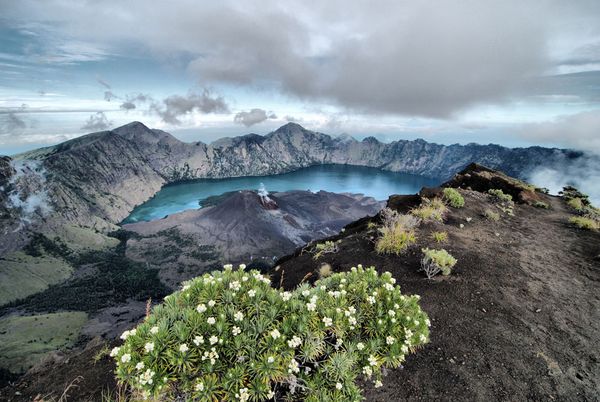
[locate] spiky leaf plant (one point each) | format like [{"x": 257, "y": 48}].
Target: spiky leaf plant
[{"x": 230, "y": 336}]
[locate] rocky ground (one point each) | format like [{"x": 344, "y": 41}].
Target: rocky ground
[{"x": 518, "y": 318}]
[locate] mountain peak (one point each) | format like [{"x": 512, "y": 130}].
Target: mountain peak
[{"x": 290, "y": 128}]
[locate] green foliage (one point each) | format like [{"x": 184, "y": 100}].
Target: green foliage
[
  {"x": 541, "y": 204},
  {"x": 431, "y": 210},
  {"x": 394, "y": 240},
  {"x": 491, "y": 215},
  {"x": 499, "y": 195},
  {"x": 583, "y": 222},
  {"x": 325, "y": 248},
  {"x": 454, "y": 198},
  {"x": 576, "y": 203},
  {"x": 439, "y": 237},
  {"x": 435, "y": 261},
  {"x": 231, "y": 336}
]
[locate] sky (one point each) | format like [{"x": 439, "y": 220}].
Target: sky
[{"x": 509, "y": 72}]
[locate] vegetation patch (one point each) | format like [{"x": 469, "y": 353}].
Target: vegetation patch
[
  {"x": 431, "y": 210},
  {"x": 541, "y": 204},
  {"x": 24, "y": 341},
  {"x": 583, "y": 222},
  {"x": 230, "y": 336},
  {"x": 454, "y": 198},
  {"x": 22, "y": 274},
  {"x": 440, "y": 237},
  {"x": 499, "y": 195},
  {"x": 325, "y": 248},
  {"x": 396, "y": 232},
  {"x": 436, "y": 261},
  {"x": 576, "y": 204},
  {"x": 491, "y": 215}
]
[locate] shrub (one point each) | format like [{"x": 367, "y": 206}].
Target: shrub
[
  {"x": 231, "y": 336},
  {"x": 431, "y": 210},
  {"x": 491, "y": 215},
  {"x": 540, "y": 204},
  {"x": 391, "y": 218},
  {"x": 499, "y": 195},
  {"x": 436, "y": 261},
  {"x": 576, "y": 203},
  {"x": 583, "y": 222},
  {"x": 325, "y": 248},
  {"x": 440, "y": 237},
  {"x": 325, "y": 271},
  {"x": 454, "y": 198},
  {"x": 394, "y": 240}
]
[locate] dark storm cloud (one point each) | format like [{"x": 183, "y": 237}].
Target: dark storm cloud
[
  {"x": 97, "y": 122},
  {"x": 175, "y": 106},
  {"x": 425, "y": 58},
  {"x": 253, "y": 117}
]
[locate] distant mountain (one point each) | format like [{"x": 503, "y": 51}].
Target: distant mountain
[{"x": 97, "y": 179}]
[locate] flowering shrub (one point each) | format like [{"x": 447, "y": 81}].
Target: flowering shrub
[
  {"x": 454, "y": 198},
  {"x": 436, "y": 261},
  {"x": 231, "y": 336}
]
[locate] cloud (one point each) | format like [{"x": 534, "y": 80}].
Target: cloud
[
  {"x": 97, "y": 122},
  {"x": 582, "y": 173},
  {"x": 132, "y": 101},
  {"x": 172, "y": 108},
  {"x": 425, "y": 58},
  {"x": 103, "y": 83},
  {"x": 579, "y": 131},
  {"x": 253, "y": 117},
  {"x": 109, "y": 95},
  {"x": 11, "y": 122}
]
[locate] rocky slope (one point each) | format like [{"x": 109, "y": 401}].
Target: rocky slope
[
  {"x": 96, "y": 180},
  {"x": 518, "y": 318}
]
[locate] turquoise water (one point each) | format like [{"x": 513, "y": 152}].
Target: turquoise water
[{"x": 335, "y": 178}]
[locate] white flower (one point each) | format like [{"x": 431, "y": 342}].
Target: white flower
[
  {"x": 149, "y": 347},
  {"x": 367, "y": 370},
  {"x": 323, "y": 287},
  {"x": 199, "y": 387},
  {"x": 294, "y": 342},
  {"x": 211, "y": 320},
  {"x": 275, "y": 334},
  {"x": 372, "y": 360},
  {"x": 286, "y": 296},
  {"x": 139, "y": 366},
  {"x": 238, "y": 316},
  {"x": 211, "y": 303},
  {"x": 271, "y": 395},
  {"x": 391, "y": 313},
  {"x": 127, "y": 334},
  {"x": 201, "y": 308},
  {"x": 306, "y": 293},
  {"x": 352, "y": 320},
  {"x": 371, "y": 300},
  {"x": 242, "y": 266},
  {"x": 423, "y": 338},
  {"x": 360, "y": 346},
  {"x": 227, "y": 267},
  {"x": 427, "y": 322},
  {"x": 114, "y": 351},
  {"x": 236, "y": 331},
  {"x": 389, "y": 286},
  {"x": 245, "y": 278},
  {"x": 154, "y": 330},
  {"x": 270, "y": 359},
  {"x": 404, "y": 349},
  {"x": 198, "y": 340},
  {"x": 311, "y": 306},
  {"x": 327, "y": 321},
  {"x": 183, "y": 348},
  {"x": 392, "y": 280},
  {"x": 390, "y": 340},
  {"x": 213, "y": 339},
  {"x": 378, "y": 384},
  {"x": 126, "y": 358},
  {"x": 293, "y": 367},
  {"x": 235, "y": 286},
  {"x": 338, "y": 385},
  {"x": 252, "y": 293},
  {"x": 243, "y": 395},
  {"x": 461, "y": 226}
]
